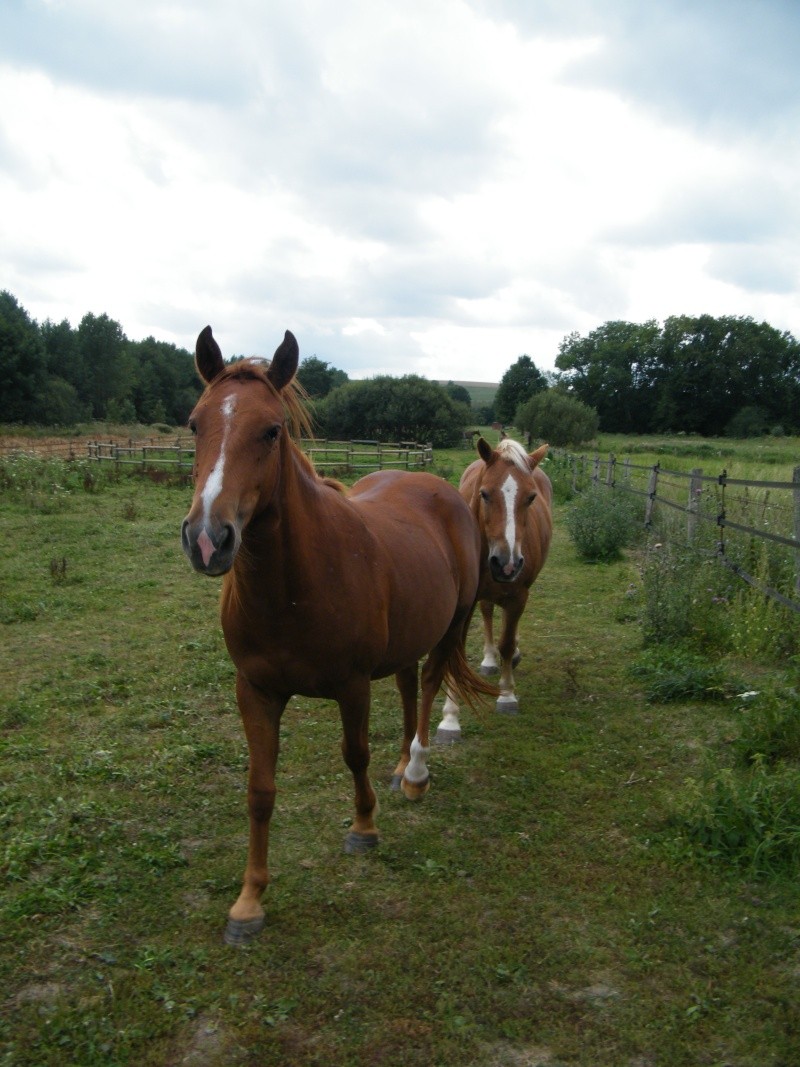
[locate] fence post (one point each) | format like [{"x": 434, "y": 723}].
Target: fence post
[
  {"x": 596, "y": 470},
  {"x": 651, "y": 495},
  {"x": 796, "y": 495},
  {"x": 693, "y": 506},
  {"x": 610, "y": 471}
]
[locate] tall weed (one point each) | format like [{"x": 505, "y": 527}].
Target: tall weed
[
  {"x": 602, "y": 523},
  {"x": 685, "y": 597},
  {"x": 770, "y": 727},
  {"x": 750, "y": 821}
]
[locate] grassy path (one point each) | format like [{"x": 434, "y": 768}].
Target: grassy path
[{"x": 529, "y": 911}]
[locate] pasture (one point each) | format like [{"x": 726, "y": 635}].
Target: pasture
[{"x": 533, "y": 909}]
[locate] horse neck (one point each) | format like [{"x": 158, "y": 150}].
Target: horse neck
[{"x": 278, "y": 541}]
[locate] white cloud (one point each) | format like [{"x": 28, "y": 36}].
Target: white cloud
[{"x": 418, "y": 188}]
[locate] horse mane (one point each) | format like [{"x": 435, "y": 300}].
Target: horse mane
[
  {"x": 513, "y": 452},
  {"x": 295, "y": 400}
]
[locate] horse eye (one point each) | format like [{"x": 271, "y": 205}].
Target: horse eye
[
  {"x": 485, "y": 496},
  {"x": 531, "y": 499},
  {"x": 272, "y": 433}
]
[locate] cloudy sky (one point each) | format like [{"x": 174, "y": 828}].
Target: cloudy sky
[{"x": 432, "y": 186}]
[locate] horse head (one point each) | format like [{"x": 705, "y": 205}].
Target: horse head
[
  {"x": 505, "y": 490},
  {"x": 239, "y": 423}
]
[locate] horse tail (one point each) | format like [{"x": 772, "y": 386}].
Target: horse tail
[{"x": 462, "y": 682}]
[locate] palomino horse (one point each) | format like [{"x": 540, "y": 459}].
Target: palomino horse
[
  {"x": 510, "y": 496},
  {"x": 324, "y": 588}
]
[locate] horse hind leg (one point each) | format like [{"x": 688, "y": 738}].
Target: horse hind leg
[
  {"x": 449, "y": 730},
  {"x": 407, "y": 681},
  {"x": 354, "y": 711},
  {"x": 416, "y": 777}
]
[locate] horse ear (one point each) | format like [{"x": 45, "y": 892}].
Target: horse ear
[
  {"x": 535, "y": 458},
  {"x": 207, "y": 356},
  {"x": 284, "y": 363},
  {"x": 485, "y": 451}
]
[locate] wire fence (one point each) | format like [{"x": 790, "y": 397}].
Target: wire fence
[{"x": 752, "y": 526}]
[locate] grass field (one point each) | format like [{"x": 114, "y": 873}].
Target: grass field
[{"x": 532, "y": 910}]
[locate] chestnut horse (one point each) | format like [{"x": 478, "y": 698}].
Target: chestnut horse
[
  {"x": 324, "y": 588},
  {"x": 511, "y": 497}
]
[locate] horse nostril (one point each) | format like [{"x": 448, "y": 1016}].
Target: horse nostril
[{"x": 228, "y": 539}]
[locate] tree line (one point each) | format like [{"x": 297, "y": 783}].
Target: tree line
[
  {"x": 712, "y": 376},
  {"x": 705, "y": 375},
  {"x": 54, "y": 375}
]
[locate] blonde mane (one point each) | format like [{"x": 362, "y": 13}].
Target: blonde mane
[{"x": 513, "y": 452}]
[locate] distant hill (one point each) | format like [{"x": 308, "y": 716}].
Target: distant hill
[{"x": 480, "y": 393}]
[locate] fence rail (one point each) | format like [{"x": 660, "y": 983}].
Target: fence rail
[
  {"x": 177, "y": 455},
  {"x": 770, "y": 515}
]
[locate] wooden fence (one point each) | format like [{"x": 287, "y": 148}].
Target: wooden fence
[
  {"x": 739, "y": 511},
  {"x": 177, "y": 455}
]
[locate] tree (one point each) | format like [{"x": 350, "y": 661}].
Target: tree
[
  {"x": 611, "y": 371},
  {"x": 459, "y": 393},
  {"x": 519, "y": 383},
  {"x": 23, "y": 364},
  {"x": 318, "y": 378},
  {"x": 166, "y": 384},
  {"x": 410, "y": 408},
  {"x": 711, "y": 368},
  {"x": 558, "y": 418},
  {"x": 108, "y": 368}
]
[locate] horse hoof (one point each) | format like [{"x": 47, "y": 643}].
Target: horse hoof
[
  {"x": 446, "y": 737},
  {"x": 415, "y": 790},
  {"x": 396, "y": 780},
  {"x": 240, "y": 931},
  {"x": 356, "y": 844},
  {"x": 507, "y": 705},
  {"x": 515, "y": 659},
  {"x": 486, "y": 671}
]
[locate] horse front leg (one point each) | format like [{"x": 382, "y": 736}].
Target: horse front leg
[
  {"x": 509, "y": 657},
  {"x": 354, "y": 711},
  {"x": 261, "y": 716},
  {"x": 490, "y": 664},
  {"x": 407, "y": 681}
]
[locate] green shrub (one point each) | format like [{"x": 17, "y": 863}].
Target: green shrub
[
  {"x": 557, "y": 417},
  {"x": 601, "y": 523}
]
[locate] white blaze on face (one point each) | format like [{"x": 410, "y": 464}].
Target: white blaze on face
[
  {"x": 509, "y": 491},
  {"x": 213, "y": 486}
]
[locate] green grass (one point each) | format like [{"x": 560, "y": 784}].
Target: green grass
[{"x": 533, "y": 909}]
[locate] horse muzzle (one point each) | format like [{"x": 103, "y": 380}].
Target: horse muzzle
[
  {"x": 210, "y": 551},
  {"x": 505, "y": 571}
]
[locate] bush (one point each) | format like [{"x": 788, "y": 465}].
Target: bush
[
  {"x": 601, "y": 523},
  {"x": 393, "y": 409},
  {"x": 558, "y": 418}
]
